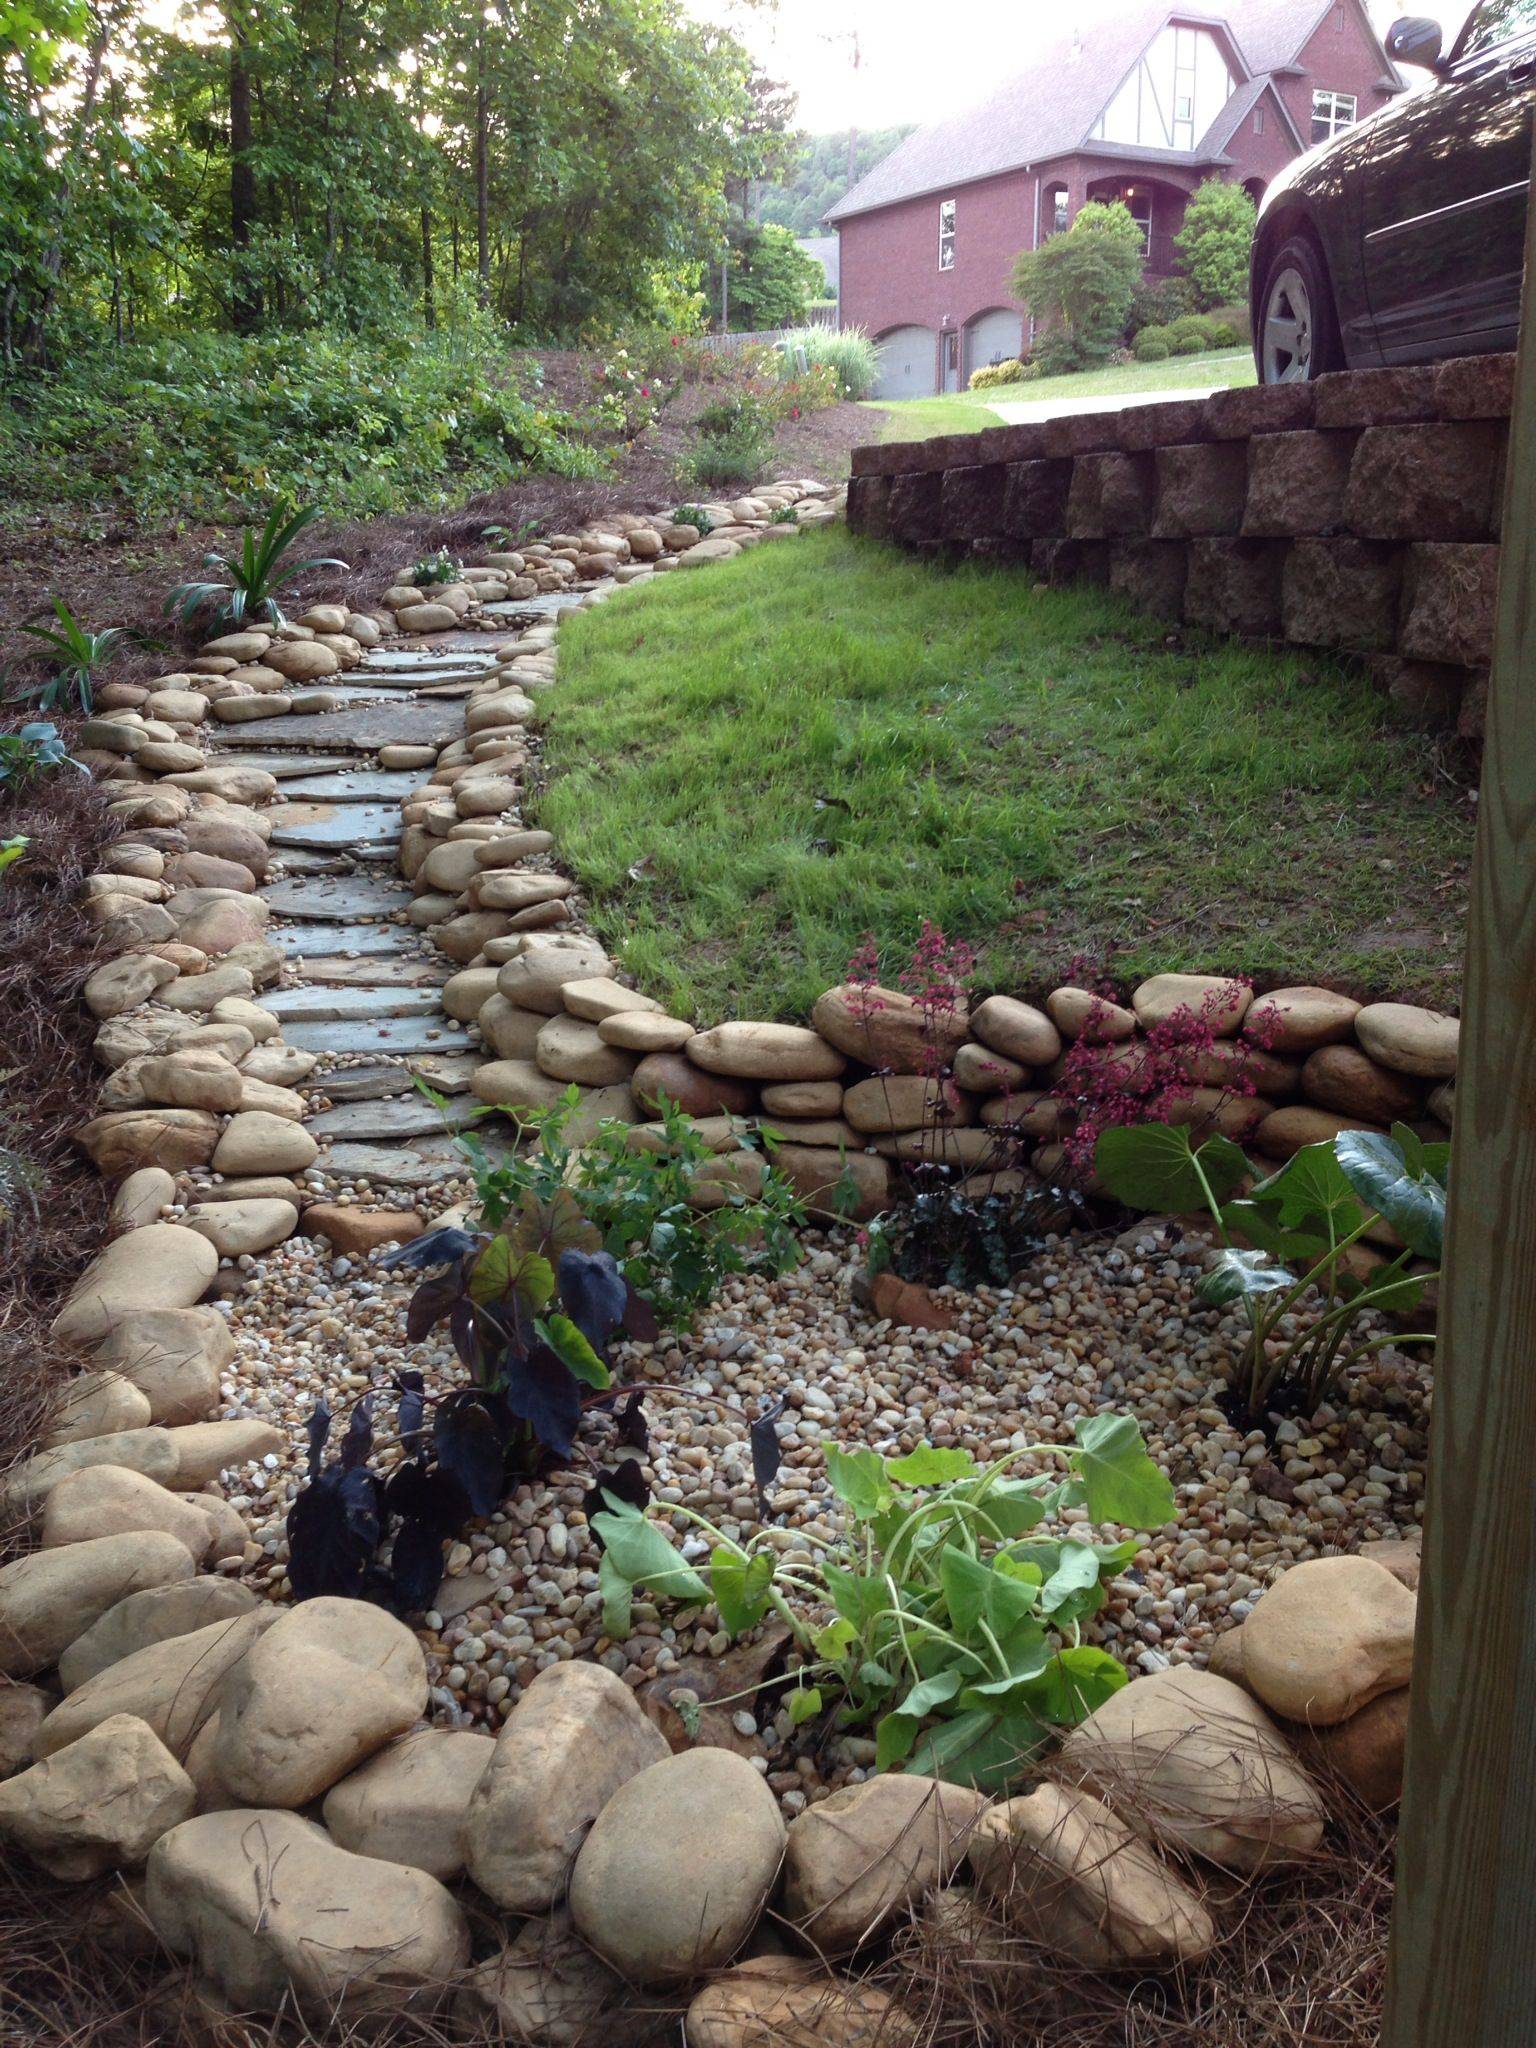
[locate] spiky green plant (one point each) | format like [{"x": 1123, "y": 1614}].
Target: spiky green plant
[
  {"x": 255, "y": 573},
  {"x": 80, "y": 653}
]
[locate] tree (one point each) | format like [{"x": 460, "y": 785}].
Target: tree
[
  {"x": 771, "y": 279},
  {"x": 1085, "y": 279},
  {"x": 1216, "y": 240}
]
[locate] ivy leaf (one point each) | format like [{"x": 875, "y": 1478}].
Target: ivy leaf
[
  {"x": 1121, "y": 1483},
  {"x": 930, "y": 1466},
  {"x": 740, "y": 1588},
  {"x": 860, "y": 1481},
  {"x": 803, "y": 1703},
  {"x": 834, "y": 1641},
  {"x": 1151, "y": 1167},
  {"x": 639, "y": 1551}
]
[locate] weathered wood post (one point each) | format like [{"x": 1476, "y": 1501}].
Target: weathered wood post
[{"x": 1463, "y": 1956}]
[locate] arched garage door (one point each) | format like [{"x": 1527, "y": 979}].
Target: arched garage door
[
  {"x": 992, "y": 337},
  {"x": 907, "y": 364}
]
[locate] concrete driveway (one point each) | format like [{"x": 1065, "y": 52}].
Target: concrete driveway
[{"x": 1019, "y": 411}]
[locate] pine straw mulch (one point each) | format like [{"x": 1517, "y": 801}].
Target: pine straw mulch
[{"x": 1300, "y": 1963}]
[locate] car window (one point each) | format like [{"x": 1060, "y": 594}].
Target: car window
[{"x": 1497, "y": 21}]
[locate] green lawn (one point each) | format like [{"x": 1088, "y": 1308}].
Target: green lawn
[
  {"x": 963, "y": 412},
  {"x": 753, "y": 766}
]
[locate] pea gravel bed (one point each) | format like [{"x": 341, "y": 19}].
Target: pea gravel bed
[{"x": 1090, "y": 1324}]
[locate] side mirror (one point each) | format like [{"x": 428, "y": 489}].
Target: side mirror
[{"x": 1415, "y": 39}]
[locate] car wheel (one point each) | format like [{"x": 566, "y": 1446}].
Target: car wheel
[{"x": 1298, "y": 336}]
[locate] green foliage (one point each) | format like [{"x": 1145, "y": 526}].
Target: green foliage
[
  {"x": 1158, "y": 302},
  {"x": 940, "y": 1618},
  {"x": 1216, "y": 240},
  {"x": 847, "y": 352},
  {"x": 990, "y": 375},
  {"x": 32, "y": 751},
  {"x": 252, "y": 578},
  {"x": 1192, "y": 334},
  {"x": 441, "y": 567},
  {"x": 79, "y": 654},
  {"x": 1153, "y": 345},
  {"x": 819, "y": 177},
  {"x": 11, "y": 851},
  {"x": 636, "y": 1201},
  {"x": 1310, "y": 1215},
  {"x": 190, "y": 427},
  {"x": 1085, "y": 279},
  {"x": 695, "y": 516},
  {"x": 772, "y": 279},
  {"x": 298, "y": 167}
]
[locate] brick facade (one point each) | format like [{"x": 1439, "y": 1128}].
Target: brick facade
[{"x": 1358, "y": 514}]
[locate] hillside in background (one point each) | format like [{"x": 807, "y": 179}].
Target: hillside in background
[{"x": 821, "y": 176}]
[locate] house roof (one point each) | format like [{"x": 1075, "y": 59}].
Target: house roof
[
  {"x": 1048, "y": 110},
  {"x": 825, "y": 250}
]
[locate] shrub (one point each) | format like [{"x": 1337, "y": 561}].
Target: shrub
[
  {"x": 31, "y": 752},
  {"x": 847, "y": 352},
  {"x": 1158, "y": 302},
  {"x": 1059, "y": 354},
  {"x": 1192, "y": 335},
  {"x": 441, "y": 567},
  {"x": 80, "y": 654},
  {"x": 252, "y": 578},
  {"x": 945, "y": 1622},
  {"x": 991, "y": 375},
  {"x": 1086, "y": 278},
  {"x": 1216, "y": 241},
  {"x": 1237, "y": 317},
  {"x": 1153, "y": 345}
]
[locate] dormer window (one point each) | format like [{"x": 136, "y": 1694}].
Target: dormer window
[{"x": 946, "y": 234}]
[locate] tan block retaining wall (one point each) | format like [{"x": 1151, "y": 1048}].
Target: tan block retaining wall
[{"x": 1359, "y": 514}]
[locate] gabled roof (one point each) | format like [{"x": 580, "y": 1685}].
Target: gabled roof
[
  {"x": 1048, "y": 110},
  {"x": 1237, "y": 110}
]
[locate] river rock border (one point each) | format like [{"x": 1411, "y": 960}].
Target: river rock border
[{"x": 572, "y": 1872}]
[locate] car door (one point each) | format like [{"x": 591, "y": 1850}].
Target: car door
[{"x": 1444, "y": 195}]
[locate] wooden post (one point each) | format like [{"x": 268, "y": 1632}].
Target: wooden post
[{"x": 1463, "y": 1955}]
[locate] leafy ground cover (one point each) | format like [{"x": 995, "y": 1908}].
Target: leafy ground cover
[
  {"x": 959, "y": 412},
  {"x": 751, "y": 770}
]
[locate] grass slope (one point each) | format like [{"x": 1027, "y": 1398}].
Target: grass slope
[
  {"x": 753, "y": 766},
  {"x": 965, "y": 412}
]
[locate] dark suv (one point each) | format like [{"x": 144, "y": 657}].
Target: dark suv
[{"x": 1402, "y": 239}]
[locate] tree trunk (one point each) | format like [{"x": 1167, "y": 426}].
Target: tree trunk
[
  {"x": 245, "y": 303},
  {"x": 482, "y": 169},
  {"x": 428, "y": 304},
  {"x": 53, "y": 257}
]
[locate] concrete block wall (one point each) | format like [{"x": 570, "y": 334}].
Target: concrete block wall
[{"x": 1359, "y": 514}]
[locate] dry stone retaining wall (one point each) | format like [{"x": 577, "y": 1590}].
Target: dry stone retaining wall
[{"x": 1358, "y": 514}]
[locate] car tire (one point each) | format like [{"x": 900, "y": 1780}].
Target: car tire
[{"x": 1296, "y": 332}]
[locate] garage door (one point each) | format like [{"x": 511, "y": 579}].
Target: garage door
[
  {"x": 992, "y": 338},
  {"x": 906, "y": 364}
]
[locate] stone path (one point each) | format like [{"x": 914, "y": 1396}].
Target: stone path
[{"x": 361, "y": 987}]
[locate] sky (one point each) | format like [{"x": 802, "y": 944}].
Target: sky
[{"x": 916, "y": 61}]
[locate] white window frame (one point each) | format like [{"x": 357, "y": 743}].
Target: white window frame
[
  {"x": 946, "y": 234},
  {"x": 1258, "y": 120},
  {"x": 1332, "y": 113},
  {"x": 1060, "y": 197}
]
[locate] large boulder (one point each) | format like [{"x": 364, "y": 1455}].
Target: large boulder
[
  {"x": 51, "y": 1597},
  {"x": 407, "y": 1804},
  {"x": 23, "y": 1710},
  {"x": 673, "y": 1076},
  {"x": 870, "y": 1851},
  {"x": 173, "y": 1355},
  {"x": 160, "y": 1266},
  {"x": 154, "y": 1615},
  {"x": 1410, "y": 1040},
  {"x": 790, "y": 2002},
  {"x": 1017, "y": 1030},
  {"x": 148, "y": 1451},
  {"x": 1194, "y": 1762},
  {"x": 546, "y": 963},
  {"x": 884, "y": 1028},
  {"x": 678, "y": 1866},
  {"x": 329, "y": 1684},
  {"x": 110, "y": 1500},
  {"x": 1365, "y": 1753},
  {"x": 1076, "y": 1880},
  {"x": 546, "y": 1986},
  {"x": 99, "y": 1804},
  {"x": 766, "y": 1052},
  {"x": 203, "y": 1450},
  {"x": 1221, "y": 1001},
  {"x": 576, "y": 1735},
  {"x": 173, "y": 1685},
  {"x": 269, "y": 1909},
  {"x": 255, "y": 1141},
  {"x": 1327, "y": 1637},
  {"x": 97, "y": 1404}
]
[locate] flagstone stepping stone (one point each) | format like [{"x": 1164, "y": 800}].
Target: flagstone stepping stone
[
  {"x": 339, "y": 827},
  {"x": 346, "y": 784},
  {"x": 388, "y": 1121},
  {"x": 448, "y": 1073},
  {"x": 376, "y": 971},
  {"x": 323, "y": 1005},
  {"x": 337, "y": 899},
  {"x": 363, "y": 728},
  {"x": 431, "y": 1033},
  {"x": 420, "y": 1165},
  {"x": 303, "y": 860},
  {"x": 412, "y": 660},
  {"x": 301, "y": 939},
  {"x": 284, "y": 766}
]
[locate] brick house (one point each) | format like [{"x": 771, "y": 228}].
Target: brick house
[{"x": 1143, "y": 105}]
